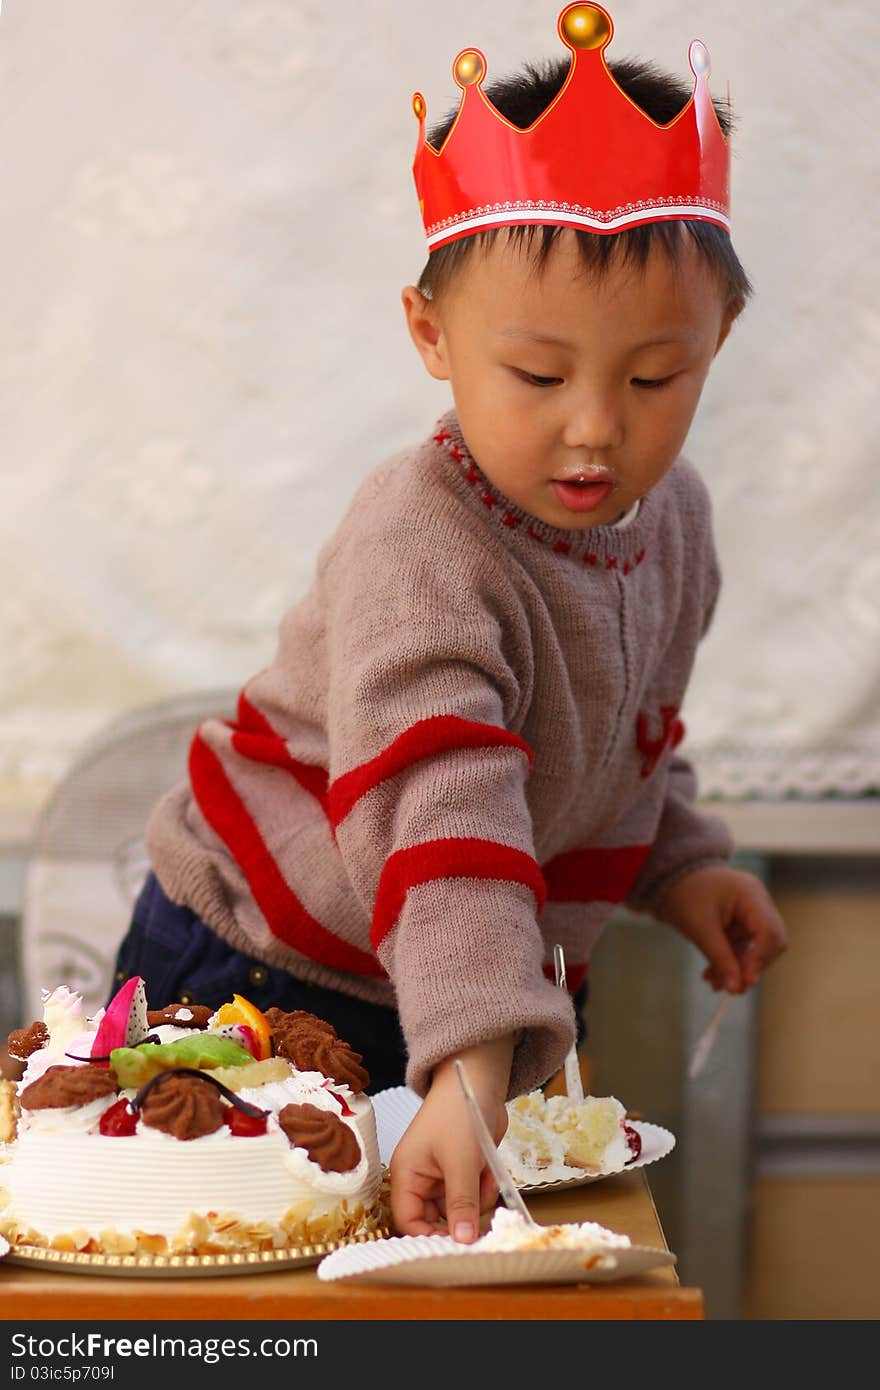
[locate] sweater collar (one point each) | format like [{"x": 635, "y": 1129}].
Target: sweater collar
[{"x": 604, "y": 547}]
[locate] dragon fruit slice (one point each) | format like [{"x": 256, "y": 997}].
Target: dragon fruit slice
[
  {"x": 242, "y": 1034},
  {"x": 125, "y": 1022}
]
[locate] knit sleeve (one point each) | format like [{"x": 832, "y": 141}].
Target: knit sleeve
[
  {"x": 428, "y": 805},
  {"x": 686, "y": 839}
]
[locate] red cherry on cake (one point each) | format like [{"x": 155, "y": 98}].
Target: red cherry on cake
[
  {"x": 118, "y": 1120},
  {"x": 634, "y": 1140},
  {"x": 240, "y": 1123}
]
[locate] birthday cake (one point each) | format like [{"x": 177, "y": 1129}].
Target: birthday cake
[
  {"x": 550, "y": 1139},
  {"x": 185, "y": 1131}
]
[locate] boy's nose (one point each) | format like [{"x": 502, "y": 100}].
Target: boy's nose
[{"x": 594, "y": 422}]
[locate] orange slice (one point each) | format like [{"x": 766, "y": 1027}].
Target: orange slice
[{"x": 241, "y": 1010}]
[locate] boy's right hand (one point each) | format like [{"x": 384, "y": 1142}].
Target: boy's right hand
[{"x": 439, "y": 1178}]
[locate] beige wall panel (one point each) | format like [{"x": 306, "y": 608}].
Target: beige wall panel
[
  {"x": 813, "y": 1251},
  {"x": 820, "y": 1008}
]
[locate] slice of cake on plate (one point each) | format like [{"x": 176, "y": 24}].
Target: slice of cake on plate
[{"x": 549, "y": 1140}]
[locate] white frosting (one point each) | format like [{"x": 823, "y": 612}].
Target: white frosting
[
  {"x": 64, "y": 1017},
  {"x": 169, "y": 1032},
  {"x": 76, "y": 1053},
  {"x": 65, "y": 1119},
  {"x": 509, "y": 1231},
  {"x": 301, "y": 1088}
]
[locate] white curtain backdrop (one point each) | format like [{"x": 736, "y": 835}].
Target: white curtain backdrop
[{"x": 208, "y": 216}]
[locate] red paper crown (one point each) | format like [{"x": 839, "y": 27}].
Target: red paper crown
[{"x": 592, "y": 159}]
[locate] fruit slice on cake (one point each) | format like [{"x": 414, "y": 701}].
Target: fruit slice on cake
[
  {"x": 134, "y": 1066},
  {"x": 241, "y": 1013},
  {"x": 125, "y": 1020}
]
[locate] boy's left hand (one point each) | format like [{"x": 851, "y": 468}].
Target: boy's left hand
[{"x": 729, "y": 916}]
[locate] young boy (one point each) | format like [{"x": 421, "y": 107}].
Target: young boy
[{"x": 464, "y": 749}]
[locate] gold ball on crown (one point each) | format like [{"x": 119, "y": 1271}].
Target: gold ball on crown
[
  {"x": 586, "y": 26},
  {"x": 418, "y": 104},
  {"x": 468, "y": 69}
]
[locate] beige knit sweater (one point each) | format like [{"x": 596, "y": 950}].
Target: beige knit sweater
[{"x": 462, "y": 753}]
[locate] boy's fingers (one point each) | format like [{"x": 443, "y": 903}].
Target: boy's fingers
[
  {"x": 751, "y": 965},
  {"x": 724, "y": 968},
  {"x": 433, "y": 1214},
  {"x": 761, "y": 934},
  {"x": 462, "y": 1200},
  {"x": 413, "y": 1201},
  {"x": 721, "y": 981}
]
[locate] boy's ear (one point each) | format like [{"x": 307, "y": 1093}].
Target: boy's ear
[{"x": 424, "y": 328}]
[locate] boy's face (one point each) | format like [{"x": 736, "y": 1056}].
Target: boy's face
[{"x": 609, "y": 402}]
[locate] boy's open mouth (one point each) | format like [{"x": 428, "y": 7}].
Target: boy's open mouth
[{"x": 583, "y": 495}]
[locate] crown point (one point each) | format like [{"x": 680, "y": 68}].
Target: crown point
[
  {"x": 585, "y": 26},
  {"x": 418, "y": 103},
  {"x": 469, "y": 67},
  {"x": 698, "y": 55}
]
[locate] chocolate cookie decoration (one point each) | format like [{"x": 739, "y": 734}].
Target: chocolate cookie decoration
[
  {"x": 185, "y": 1106},
  {"x": 23, "y": 1041},
  {"x": 327, "y": 1141},
  {"x": 312, "y": 1044},
  {"x": 181, "y": 1015},
  {"x": 61, "y": 1086},
  {"x": 332, "y": 1056},
  {"x": 287, "y": 1026}
]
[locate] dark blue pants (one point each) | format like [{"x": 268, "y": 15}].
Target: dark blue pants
[{"x": 183, "y": 960}]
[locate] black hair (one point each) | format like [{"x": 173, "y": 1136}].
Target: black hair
[{"x": 521, "y": 98}]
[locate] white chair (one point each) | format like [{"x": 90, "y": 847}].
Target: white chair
[{"x": 88, "y": 860}]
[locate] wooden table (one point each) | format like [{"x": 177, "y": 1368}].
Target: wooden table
[{"x": 623, "y": 1203}]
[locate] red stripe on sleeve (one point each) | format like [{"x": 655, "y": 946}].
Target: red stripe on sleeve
[
  {"x": 288, "y": 919},
  {"x": 441, "y": 733},
  {"x": 254, "y": 738},
  {"x": 594, "y": 875},
  {"x": 448, "y": 858}
]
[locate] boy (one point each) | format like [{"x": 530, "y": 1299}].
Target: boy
[{"x": 464, "y": 749}]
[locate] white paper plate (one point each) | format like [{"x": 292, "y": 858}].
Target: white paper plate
[
  {"x": 396, "y": 1107},
  {"x": 4, "y": 1247},
  {"x": 440, "y": 1261}
]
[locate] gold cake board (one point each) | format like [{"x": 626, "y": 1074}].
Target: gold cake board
[{"x": 184, "y": 1266}]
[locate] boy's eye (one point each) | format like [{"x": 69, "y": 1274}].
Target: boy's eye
[
  {"x": 652, "y": 383},
  {"x": 534, "y": 380}
]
